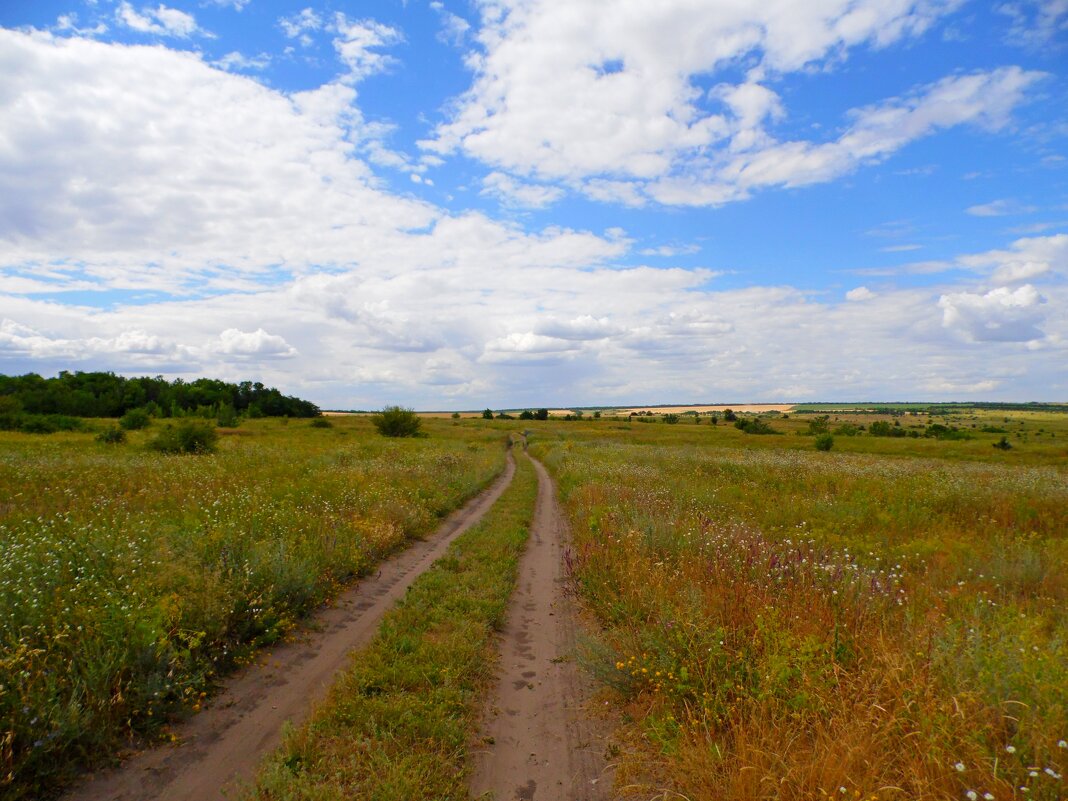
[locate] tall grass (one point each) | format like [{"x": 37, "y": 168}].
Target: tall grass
[
  {"x": 781, "y": 623},
  {"x": 129, "y": 580}
]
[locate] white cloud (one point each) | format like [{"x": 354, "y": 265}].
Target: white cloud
[
  {"x": 1035, "y": 23},
  {"x": 236, "y": 5},
  {"x": 1024, "y": 260},
  {"x": 671, "y": 250},
  {"x": 238, "y": 62},
  {"x": 999, "y": 208},
  {"x": 859, "y": 294},
  {"x": 356, "y": 42},
  {"x": 1000, "y": 315},
  {"x": 162, "y": 20},
  {"x": 519, "y": 193},
  {"x": 258, "y": 343},
  {"x": 601, "y": 95},
  {"x": 301, "y": 25}
]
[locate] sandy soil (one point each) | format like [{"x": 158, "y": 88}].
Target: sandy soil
[
  {"x": 719, "y": 407},
  {"x": 221, "y": 747},
  {"x": 537, "y": 743}
]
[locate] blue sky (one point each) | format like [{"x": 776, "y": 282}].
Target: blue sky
[{"x": 510, "y": 202}]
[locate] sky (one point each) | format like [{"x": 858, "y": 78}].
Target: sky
[{"x": 510, "y": 203}]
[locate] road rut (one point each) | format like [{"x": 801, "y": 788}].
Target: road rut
[
  {"x": 221, "y": 747},
  {"x": 541, "y": 745}
]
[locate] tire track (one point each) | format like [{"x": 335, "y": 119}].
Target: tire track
[
  {"x": 222, "y": 746},
  {"x": 542, "y": 745}
]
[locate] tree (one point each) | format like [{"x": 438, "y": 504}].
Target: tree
[
  {"x": 487, "y": 414},
  {"x": 541, "y": 414},
  {"x": 526, "y": 414},
  {"x": 729, "y": 416},
  {"x": 397, "y": 421}
]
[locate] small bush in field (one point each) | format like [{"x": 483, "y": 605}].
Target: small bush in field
[
  {"x": 1003, "y": 444},
  {"x": 112, "y": 436},
  {"x": 321, "y": 422},
  {"x": 824, "y": 442},
  {"x": 396, "y": 421},
  {"x": 227, "y": 417},
  {"x": 135, "y": 420},
  {"x": 186, "y": 437}
]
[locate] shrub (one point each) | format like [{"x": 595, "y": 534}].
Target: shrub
[
  {"x": 487, "y": 414},
  {"x": 396, "y": 421},
  {"x": 48, "y": 423},
  {"x": 112, "y": 436},
  {"x": 455, "y": 415},
  {"x": 729, "y": 416},
  {"x": 541, "y": 414},
  {"x": 754, "y": 426},
  {"x": 846, "y": 430},
  {"x": 824, "y": 442},
  {"x": 227, "y": 417},
  {"x": 1003, "y": 444},
  {"x": 671, "y": 419},
  {"x": 135, "y": 420},
  {"x": 881, "y": 428},
  {"x": 186, "y": 437},
  {"x": 819, "y": 425},
  {"x": 526, "y": 415},
  {"x": 321, "y": 422}
]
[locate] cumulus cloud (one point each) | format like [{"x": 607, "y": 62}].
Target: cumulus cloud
[
  {"x": 1024, "y": 260},
  {"x": 604, "y": 96},
  {"x": 1000, "y": 315},
  {"x": 519, "y": 193},
  {"x": 258, "y": 343},
  {"x": 859, "y": 294}
]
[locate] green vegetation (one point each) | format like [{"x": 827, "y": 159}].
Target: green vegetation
[
  {"x": 396, "y": 421},
  {"x": 108, "y": 395},
  {"x": 890, "y": 623},
  {"x": 396, "y": 725},
  {"x": 186, "y": 437},
  {"x": 129, "y": 580},
  {"x": 824, "y": 442}
]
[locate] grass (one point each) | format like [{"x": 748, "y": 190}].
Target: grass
[
  {"x": 396, "y": 724},
  {"x": 130, "y": 580},
  {"x": 884, "y": 621}
]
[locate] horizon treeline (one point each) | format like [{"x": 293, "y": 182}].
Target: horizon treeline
[{"x": 104, "y": 394}]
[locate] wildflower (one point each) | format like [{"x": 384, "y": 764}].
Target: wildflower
[
  {"x": 972, "y": 795},
  {"x": 1062, "y": 744},
  {"x": 960, "y": 767},
  {"x": 1011, "y": 749},
  {"x": 988, "y": 797},
  {"x": 1053, "y": 773}
]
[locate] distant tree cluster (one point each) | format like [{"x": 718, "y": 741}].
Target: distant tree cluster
[{"x": 32, "y": 400}]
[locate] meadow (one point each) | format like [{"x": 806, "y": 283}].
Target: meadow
[
  {"x": 131, "y": 580},
  {"x": 887, "y": 620}
]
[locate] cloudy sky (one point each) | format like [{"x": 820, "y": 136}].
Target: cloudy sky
[{"x": 533, "y": 202}]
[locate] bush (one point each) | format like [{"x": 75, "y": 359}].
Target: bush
[
  {"x": 1003, "y": 444},
  {"x": 112, "y": 436},
  {"x": 396, "y": 421},
  {"x": 541, "y": 414},
  {"x": 881, "y": 428},
  {"x": 487, "y": 414},
  {"x": 455, "y": 415},
  {"x": 227, "y": 417},
  {"x": 754, "y": 426},
  {"x": 48, "y": 423},
  {"x": 135, "y": 420},
  {"x": 321, "y": 422},
  {"x": 671, "y": 419},
  {"x": 526, "y": 415},
  {"x": 819, "y": 425},
  {"x": 847, "y": 430},
  {"x": 186, "y": 437},
  {"x": 824, "y": 442},
  {"x": 729, "y": 416}
]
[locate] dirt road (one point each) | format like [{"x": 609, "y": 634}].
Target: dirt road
[
  {"x": 540, "y": 746},
  {"x": 223, "y": 745}
]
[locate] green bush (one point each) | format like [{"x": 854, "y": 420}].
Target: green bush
[
  {"x": 321, "y": 422},
  {"x": 824, "y": 442},
  {"x": 48, "y": 423},
  {"x": 186, "y": 437},
  {"x": 754, "y": 426},
  {"x": 671, "y": 419},
  {"x": 112, "y": 436},
  {"x": 1003, "y": 444},
  {"x": 396, "y": 421},
  {"x": 135, "y": 420},
  {"x": 227, "y": 417},
  {"x": 881, "y": 428}
]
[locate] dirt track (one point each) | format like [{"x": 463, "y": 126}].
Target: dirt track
[
  {"x": 223, "y": 745},
  {"x": 539, "y": 743}
]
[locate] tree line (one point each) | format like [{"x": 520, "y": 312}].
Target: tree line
[{"x": 96, "y": 394}]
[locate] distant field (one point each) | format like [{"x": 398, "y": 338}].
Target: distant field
[
  {"x": 129, "y": 580},
  {"x": 888, "y": 620}
]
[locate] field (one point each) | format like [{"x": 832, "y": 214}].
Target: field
[
  {"x": 130, "y": 580},
  {"x": 886, "y": 620}
]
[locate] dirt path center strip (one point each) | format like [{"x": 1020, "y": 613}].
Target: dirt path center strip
[{"x": 539, "y": 743}]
